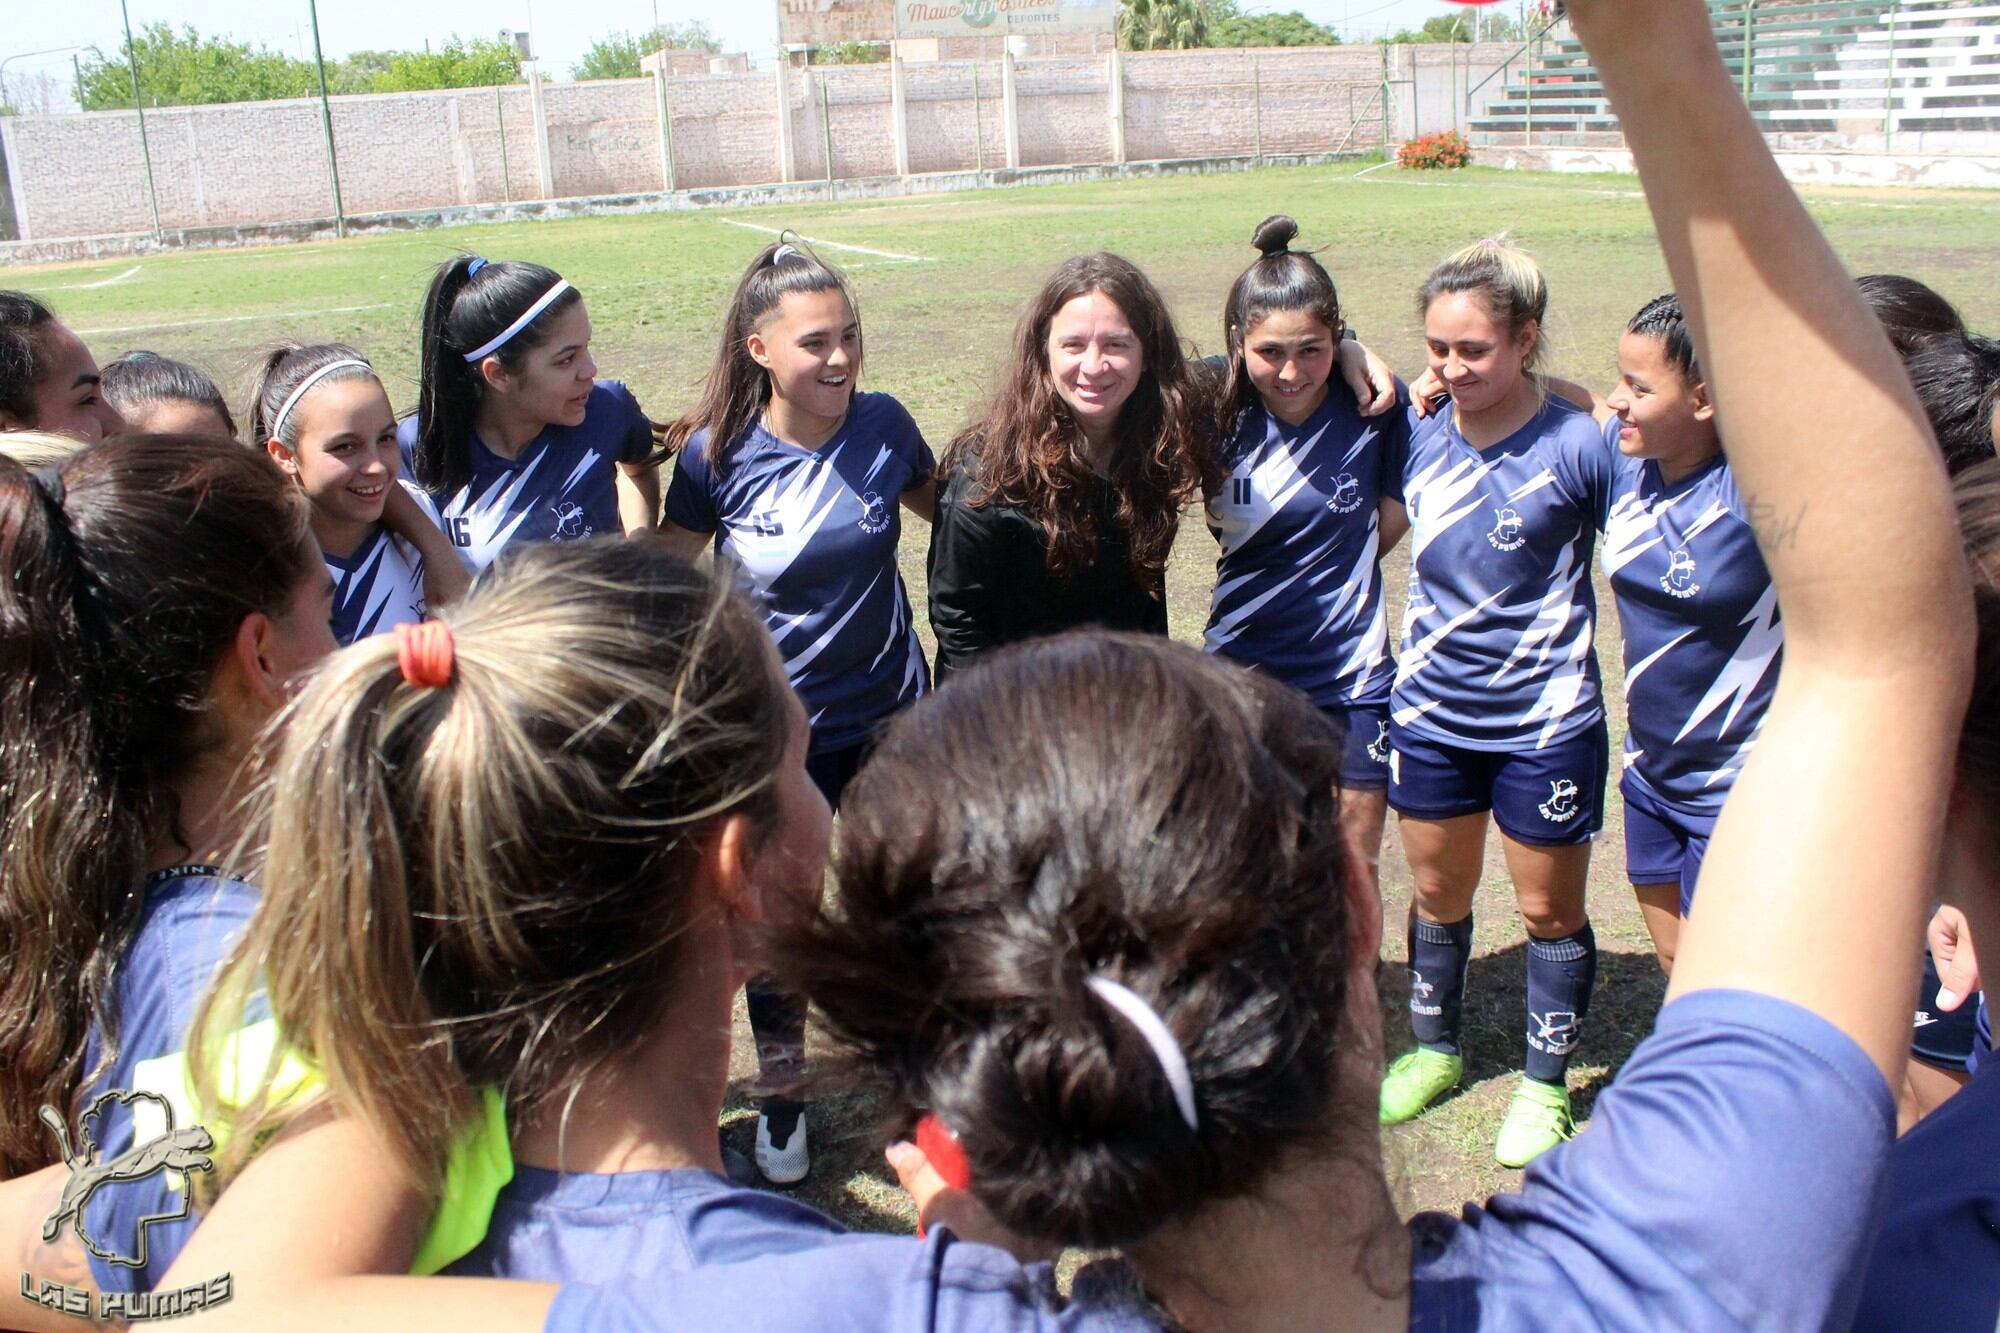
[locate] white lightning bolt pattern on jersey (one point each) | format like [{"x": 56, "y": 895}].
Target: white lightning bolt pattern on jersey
[
  {"x": 812, "y": 534},
  {"x": 1298, "y": 583},
  {"x": 562, "y": 486},
  {"x": 1497, "y": 648},
  {"x": 1703, "y": 635},
  {"x": 380, "y": 586}
]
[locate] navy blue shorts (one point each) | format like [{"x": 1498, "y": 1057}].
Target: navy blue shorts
[
  {"x": 1364, "y": 766},
  {"x": 1552, "y": 797},
  {"x": 1941, "y": 1039},
  {"x": 1662, "y": 846}
]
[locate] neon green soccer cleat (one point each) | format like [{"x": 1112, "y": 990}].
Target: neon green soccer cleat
[
  {"x": 1537, "y": 1120},
  {"x": 1415, "y": 1081}
]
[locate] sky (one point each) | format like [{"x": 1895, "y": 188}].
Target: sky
[{"x": 563, "y": 29}]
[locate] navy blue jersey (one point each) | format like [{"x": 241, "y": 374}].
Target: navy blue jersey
[
  {"x": 562, "y": 486},
  {"x": 1936, "y": 1263},
  {"x": 190, "y": 917},
  {"x": 582, "y": 1226},
  {"x": 1498, "y": 648},
  {"x": 813, "y": 533},
  {"x": 1298, "y": 584},
  {"x": 1702, "y": 634},
  {"x": 381, "y": 585},
  {"x": 1743, "y": 1126}
]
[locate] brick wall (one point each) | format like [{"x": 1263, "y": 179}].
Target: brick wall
[{"x": 265, "y": 162}]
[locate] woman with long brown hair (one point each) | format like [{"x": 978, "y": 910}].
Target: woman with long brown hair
[
  {"x": 157, "y": 596},
  {"x": 1058, "y": 506}
]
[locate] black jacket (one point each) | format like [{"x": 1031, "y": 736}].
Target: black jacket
[{"x": 990, "y": 584}]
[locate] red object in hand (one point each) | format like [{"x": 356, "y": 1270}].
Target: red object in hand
[{"x": 946, "y": 1156}]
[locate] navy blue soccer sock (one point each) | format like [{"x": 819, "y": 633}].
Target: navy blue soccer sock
[
  {"x": 1561, "y": 974},
  {"x": 1438, "y": 958}
]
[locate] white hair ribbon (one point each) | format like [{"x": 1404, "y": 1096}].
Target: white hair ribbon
[
  {"x": 527, "y": 317},
  {"x": 782, "y": 253},
  {"x": 292, "y": 399},
  {"x": 1173, "y": 1062}
]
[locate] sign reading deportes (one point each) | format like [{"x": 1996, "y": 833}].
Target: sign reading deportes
[{"x": 998, "y": 18}]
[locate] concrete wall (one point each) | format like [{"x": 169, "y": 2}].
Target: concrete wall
[{"x": 254, "y": 164}]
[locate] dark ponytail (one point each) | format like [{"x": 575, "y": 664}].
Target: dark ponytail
[
  {"x": 470, "y": 302},
  {"x": 737, "y": 388},
  {"x": 1103, "y": 806},
  {"x": 123, "y": 580},
  {"x": 1282, "y": 279}
]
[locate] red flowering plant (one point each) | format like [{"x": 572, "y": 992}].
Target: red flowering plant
[{"x": 1446, "y": 148}]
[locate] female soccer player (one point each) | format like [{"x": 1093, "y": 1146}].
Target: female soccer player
[
  {"x": 593, "y": 779},
  {"x": 798, "y": 480},
  {"x": 1300, "y": 515},
  {"x": 48, "y": 379},
  {"x": 156, "y": 395},
  {"x": 158, "y": 596},
  {"x": 514, "y": 437},
  {"x": 322, "y": 414},
  {"x": 1495, "y": 707},
  {"x": 1700, "y": 617},
  {"x": 1058, "y": 507}
]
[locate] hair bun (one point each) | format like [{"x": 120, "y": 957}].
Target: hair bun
[{"x": 1274, "y": 235}]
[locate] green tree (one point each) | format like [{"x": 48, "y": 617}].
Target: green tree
[
  {"x": 457, "y": 64},
  {"x": 851, "y": 53},
  {"x": 184, "y": 68},
  {"x": 617, "y": 55},
  {"x": 357, "y": 72},
  {"x": 1288, "y": 29},
  {"x": 1163, "y": 25}
]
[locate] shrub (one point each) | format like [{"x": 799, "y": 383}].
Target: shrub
[{"x": 1446, "y": 148}]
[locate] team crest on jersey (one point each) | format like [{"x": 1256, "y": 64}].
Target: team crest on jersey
[
  {"x": 1560, "y": 808},
  {"x": 570, "y": 522},
  {"x": 1346, "y": 497},
  {"x": 874, "y": 514},
  {"x": 1679, "y": 578},
  {"x": 1555, "y": 1032},
  {"x": 1378, "y": 749},
  {"x": 1507, "y": 534}
]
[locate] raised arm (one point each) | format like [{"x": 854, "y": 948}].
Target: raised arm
[{"x": 1819, "y": 875}]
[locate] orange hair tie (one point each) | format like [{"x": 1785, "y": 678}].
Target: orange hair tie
[{"x": 425, "y": 654}]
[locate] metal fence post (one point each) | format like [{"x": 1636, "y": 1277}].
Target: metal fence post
[
  {"x": 978, "y": 125},
  {"x": 1385, "y": 98},
  {"x": 1257, "y": 108},
  {"x": 826, "y": 131},
  {"x": 1889, "y": 86},
  {"x": 139, "y": 109},
  {"x": 1749, "y": 48},
  {"x": 500, "y": 120}
]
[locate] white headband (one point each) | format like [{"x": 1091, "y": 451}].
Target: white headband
[
  {"x": 292, "y": 399},
  {"x": 1173, "y": 1063},
  {"x": 527, "y": 318}
]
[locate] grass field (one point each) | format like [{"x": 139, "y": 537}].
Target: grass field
[{"x": 940, "y": 282}]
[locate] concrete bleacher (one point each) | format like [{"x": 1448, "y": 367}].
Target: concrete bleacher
[{"x": 1841, "y": 68}]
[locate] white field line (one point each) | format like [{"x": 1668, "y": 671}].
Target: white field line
[
  {"x": 831, "y": 245},
  {"x": 237, "y": 319},
  {"x": 131, "y": 272},
  {"x": 1377, "y": 167}
]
